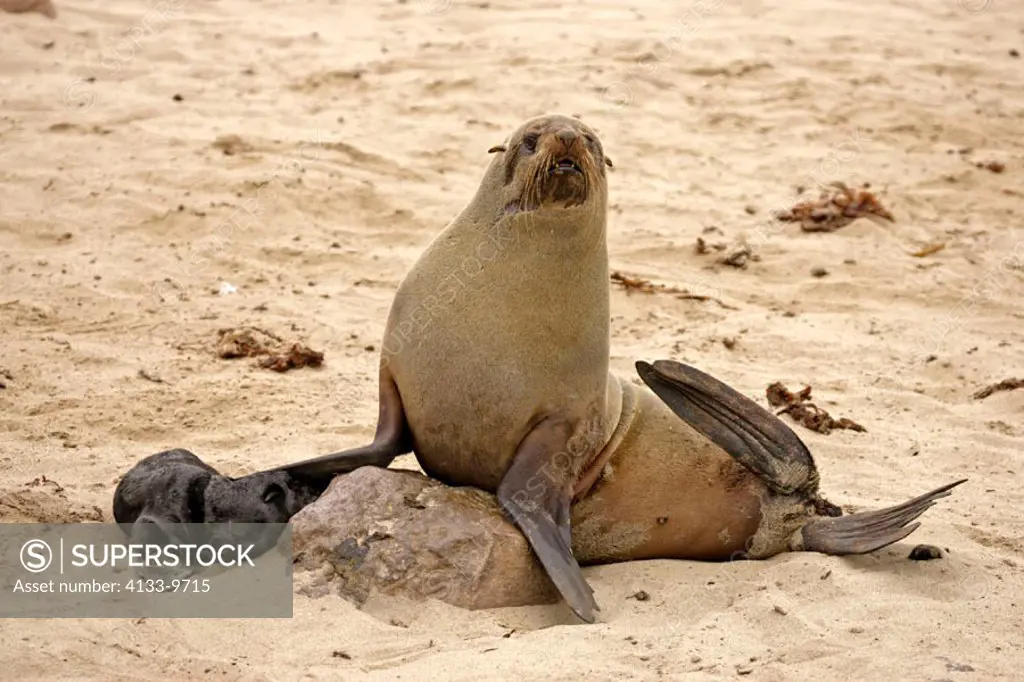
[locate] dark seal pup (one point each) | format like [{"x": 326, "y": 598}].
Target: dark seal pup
[{"x": 166, "y": 496}]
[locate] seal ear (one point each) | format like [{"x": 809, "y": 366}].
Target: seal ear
[
  {"x": 272, "y": 493},
  {"x": 497, "y": 148}
]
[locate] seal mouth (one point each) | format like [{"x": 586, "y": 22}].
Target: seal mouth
[{"x": 564, "y": 166}]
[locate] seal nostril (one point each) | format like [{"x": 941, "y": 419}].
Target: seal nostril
[{"x": 566, "y": 137}]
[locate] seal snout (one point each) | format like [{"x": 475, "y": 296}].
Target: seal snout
[
  {"x": 565, "y": 148},
  {"x": 565, "y": 153}
]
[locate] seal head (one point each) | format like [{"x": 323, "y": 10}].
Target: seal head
[{"x": 551, "y": 162}]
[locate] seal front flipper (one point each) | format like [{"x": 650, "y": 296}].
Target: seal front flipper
[
  {"x": 391, "y": 440},
  {"x": 536, "y": 495},
  {"x": 751, "y": 434},
  {"x": 867, "y": 531}
]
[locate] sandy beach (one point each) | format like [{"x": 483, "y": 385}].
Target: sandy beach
[{"x": 169, "y": 169}]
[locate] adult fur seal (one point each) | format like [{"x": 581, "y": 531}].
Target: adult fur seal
[
  {"x": 162, "y": 495},
  {"x": 494, "y": 371}
]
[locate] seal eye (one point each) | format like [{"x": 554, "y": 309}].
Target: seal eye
[{"x": 530, "y": 142}]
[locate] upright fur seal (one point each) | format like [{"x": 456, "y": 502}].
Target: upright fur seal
[{"x": 495, "y": 371}]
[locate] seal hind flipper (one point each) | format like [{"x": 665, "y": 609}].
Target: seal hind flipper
[
  {"x": 534, "y": 498},
  {"x": 751, "y": 434},
  {"x": 391, "y": 440},
  {"x": 867, "y": 531}
]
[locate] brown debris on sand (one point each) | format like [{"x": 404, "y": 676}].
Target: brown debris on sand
[
  {"x": 631, "y": 284},
  {"x": 993, "y": 166},
  {"x": 43, "y": 480},
  {"x": 245, "y": 342},
  {"x": 702, "y": 246},
  {"x": 1004, "y": 385},
  {"x": 929, "y": 250},
  {"x": 738, "y": 256},
  {"x": 802, "y": 410},
  {"x": 297, "y": 356},
  {"x": 17, "y": 6},
  {"x": 645, "y": 286},
  {"x": 231, "y": 145},
  {"x": 836, "y": 207},
  {"x": 274, "y": 353}
]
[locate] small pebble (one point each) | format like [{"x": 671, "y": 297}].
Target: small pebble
[
  {"x": 819, "y": 272},
  {"x": 1014, "y": 52},
  {"x": 779, "y": 610},
  {"x": 639, "y": 595},
  {"x": 178, "y": 98},
  {"x": 925, "y": 553},
  {"x": 994, "y": 166}
]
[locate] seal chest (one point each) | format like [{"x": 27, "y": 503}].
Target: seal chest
[{"x": 504, "y": 320}]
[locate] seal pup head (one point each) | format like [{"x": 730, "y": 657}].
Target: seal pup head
[
  {"x": 551, "y": 162},
  {"x": 264, "y": 497}
]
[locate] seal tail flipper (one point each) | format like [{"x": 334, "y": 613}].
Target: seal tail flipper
[
  {"x": 539, "y": 505},
  {"x": 391, "y": 440},
  {"x": 869, "y": 531},
  {"x": 755, "y": 437}
]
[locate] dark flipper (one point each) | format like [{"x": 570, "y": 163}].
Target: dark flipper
[
  {"x": 391, "y": 440},
  {"x": 755, "y": 437},
  {"x": 536, "y": 496},
  {"x": 868, "y": 531}
]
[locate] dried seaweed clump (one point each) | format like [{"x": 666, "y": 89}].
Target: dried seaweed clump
[
  {"x": 644, "y": 286},
  {"x": 274, "y": 353},
  {"x": 802, "y": 410},
  {"x": 1004, "y": 385},
  {"x": 836, "y": 207}
]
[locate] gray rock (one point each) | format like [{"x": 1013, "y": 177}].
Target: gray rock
[{"x": 400, "y": 533}]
